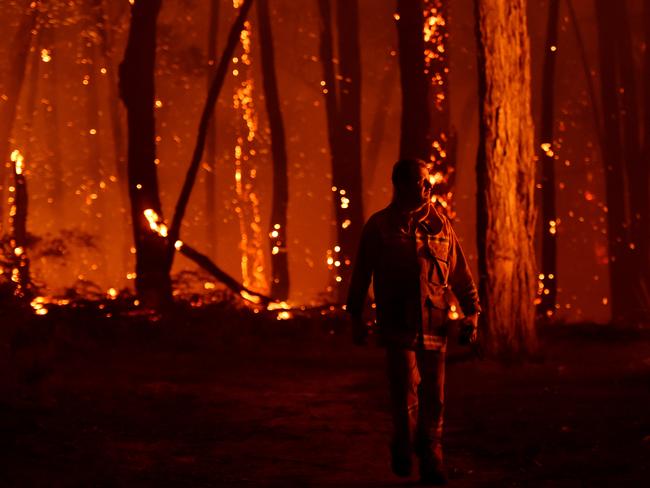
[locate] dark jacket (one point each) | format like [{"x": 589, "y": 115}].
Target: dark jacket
[{"x": 415, "y": 261}]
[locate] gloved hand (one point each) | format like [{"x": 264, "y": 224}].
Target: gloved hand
[{"x": 468, "y": 330}]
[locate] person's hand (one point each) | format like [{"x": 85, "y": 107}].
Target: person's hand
[
  {"x": 359, "y": 331},
  {"x": 468, "y": 330}
]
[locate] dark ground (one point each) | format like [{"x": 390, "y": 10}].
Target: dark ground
[{"x": 232, "y": 402}]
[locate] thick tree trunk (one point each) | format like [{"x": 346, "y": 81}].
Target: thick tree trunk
[
  {"x": 343, "y": 109},
  {"x": 505, "y": 178},
  {"x": 278, "y": 225},
  {"x": 153, "y": 283},
  {"x": 211, "y": 141},
  {"x": 616, "y": 192},
  {"x": 12, "y": 84},
  {"x": 547, "y": 158}
]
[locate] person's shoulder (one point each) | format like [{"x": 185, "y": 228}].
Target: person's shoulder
[{"x": 379, "y": 216}]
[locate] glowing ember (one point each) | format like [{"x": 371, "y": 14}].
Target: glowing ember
[
  {"x": 248, "y": 297},
  {"x": 155, "y": 223},
  {"x": 46, "y": 56}
]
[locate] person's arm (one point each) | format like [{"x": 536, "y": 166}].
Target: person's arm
[
  {"x": 461, "y": 281},
  {"x": 361, "y": 276},
  {"x": 463, "y": 286}
]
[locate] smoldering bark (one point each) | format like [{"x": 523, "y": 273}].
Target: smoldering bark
[
  {"x": 342, "y": 104},
  {"x": 19, "y": 228},
  {"x": 505, "y": 178},
  {"x": 278, "y": 224},
  {"x": 442, "y": 135},
  {"x": 547, "y": 159},
  {"x": 415, "y": 139},
  {"x": 12, "y": 84},
  {"x": 136, "y": 85}
]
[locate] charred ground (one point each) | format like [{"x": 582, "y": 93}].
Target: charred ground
[{"x": 220, "y": 396}]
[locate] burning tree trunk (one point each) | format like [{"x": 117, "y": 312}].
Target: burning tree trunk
[
  {"x": 505, "y": 178},
  {"x": 18, "y": 218},
  {"x": 211, "y": 141},
  {"x": 13, "y": 83},
  {"x": 343, "y": 107},
  {"x": 278, "y": 226},
  {"x": 424, "y": 68},
  {"x": 153, "y": 283},
  {"x": 547, "y": 158}
]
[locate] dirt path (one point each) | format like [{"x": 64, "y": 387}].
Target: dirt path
[{"x": 266, "y": 416}]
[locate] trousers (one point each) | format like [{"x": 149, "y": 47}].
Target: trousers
[{"x": 416, "y": 380}]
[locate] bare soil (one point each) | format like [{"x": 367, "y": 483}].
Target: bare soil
[{"x": 186, "y": 404}]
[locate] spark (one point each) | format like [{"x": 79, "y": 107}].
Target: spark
[{"x": 46, "y": 55}]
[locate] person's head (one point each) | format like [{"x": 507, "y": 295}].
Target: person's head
[{"x": 411, "y": 184}]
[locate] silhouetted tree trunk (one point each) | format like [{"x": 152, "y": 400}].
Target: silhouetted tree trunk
[
  {"x": 622, "y": 276},
  {"x": 343, "y": 108},
  {"x": 505, "y": 178},
  {"x": 153, "y": 283},
  {"x": 644, "y": 247},
  {"x": 211, "y": 141},
  {"x": 12, "y": 83},
  {"x": 415, "y": 139},
  {"x": 278, "y": 225},
  {"x": 635, "y": 166},
  {"x": 547, "y": 159},
  {"x": 378, "y": 125}
]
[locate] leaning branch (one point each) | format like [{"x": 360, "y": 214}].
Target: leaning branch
[
  {"x": 208, "y": 110},
  {"x": 208, "y": 265}
]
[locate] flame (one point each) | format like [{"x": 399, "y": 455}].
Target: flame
[
  {"x": 251, "y": 298},
  {"x": 155, "y": 223},
  {"x": 19, "y": 160}
]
